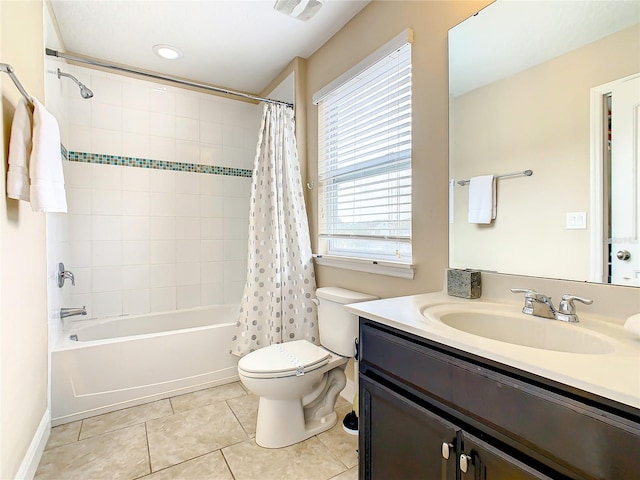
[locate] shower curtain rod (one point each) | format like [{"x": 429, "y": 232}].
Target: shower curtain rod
[{"x": 98, "y": 63}]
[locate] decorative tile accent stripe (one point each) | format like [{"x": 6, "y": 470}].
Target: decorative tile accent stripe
[
  {"x": 64, "y": 152},
  {"x": 121, "y": 161}
]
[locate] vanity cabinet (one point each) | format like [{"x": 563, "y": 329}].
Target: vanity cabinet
[
  {"x": 421, "y": 402},
  {"x": 403, "y": 440}
]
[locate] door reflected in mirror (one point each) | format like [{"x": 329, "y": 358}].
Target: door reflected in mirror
[{"x": 550, "y": 87}]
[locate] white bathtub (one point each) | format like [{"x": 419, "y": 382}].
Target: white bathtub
[{"x": 130, "y": 360}]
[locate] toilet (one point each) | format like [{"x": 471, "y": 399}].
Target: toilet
[{"x": 298, "y": 382}]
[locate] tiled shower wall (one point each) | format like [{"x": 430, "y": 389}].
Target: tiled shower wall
[
  {"x": 154, "y": 239},
  {"x": 56, "y": 103}
]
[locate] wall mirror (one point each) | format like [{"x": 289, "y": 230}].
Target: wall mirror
[{"x": 551, "y": 87}]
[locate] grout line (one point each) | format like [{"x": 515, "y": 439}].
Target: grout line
[
  {"x": 136, "y": 423},
  {"x": 332, "y": 454},
  {"x": 227, "y": 463},
  {"x": 80, "y": 430},
  {"x": 348, "y": 469},
  {"x": 244, "y": 388},
  {"x": 146, "y": 434},
  {"x": 326, "y": 446},
  {"x": 236, "y": 417},
  {"x": 185, "y": 461},
  {"x": 145, "y": 422}
]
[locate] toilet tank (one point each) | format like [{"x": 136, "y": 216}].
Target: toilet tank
[{"x": 338, "y": 328}]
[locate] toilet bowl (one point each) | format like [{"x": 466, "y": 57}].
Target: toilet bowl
[{"x": 298, "y": 382}]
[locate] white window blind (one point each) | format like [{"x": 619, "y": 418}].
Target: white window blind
[{"x": 364, "y": 169}]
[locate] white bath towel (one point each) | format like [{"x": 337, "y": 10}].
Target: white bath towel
[
  {"x": 19, "y": 153},
  {"x": 482, "y": 199},
  {"x": 45, "y": 167},
  {"x": 633, "y": 324}
]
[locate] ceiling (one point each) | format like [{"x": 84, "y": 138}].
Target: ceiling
[
  {"x": 510, "y": 36},
  {"x": 236, "y": 44}
]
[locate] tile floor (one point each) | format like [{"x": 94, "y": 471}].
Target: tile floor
[{"x": 207, "y": 434}]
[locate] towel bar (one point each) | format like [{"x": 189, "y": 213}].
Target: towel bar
[
  {"x": 526, "y": 173},
  {"x": 8, "y": 69}
]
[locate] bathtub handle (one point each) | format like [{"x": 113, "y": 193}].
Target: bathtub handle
[{"x": 64, "y": 274}]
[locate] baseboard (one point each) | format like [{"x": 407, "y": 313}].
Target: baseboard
[
  {"x": 349, "y": 391},
  {"x": 32, "y": 458}
]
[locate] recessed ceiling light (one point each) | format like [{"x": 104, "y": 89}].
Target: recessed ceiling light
[{"x": 167, "y": 51}]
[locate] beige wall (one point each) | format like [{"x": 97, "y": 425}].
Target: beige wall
[
  {"x": 23, "y": 309},
  {"x": 538, "y": 119},
  {"x": 297, "y": 66},
  {"x": 370, "y": 29}
]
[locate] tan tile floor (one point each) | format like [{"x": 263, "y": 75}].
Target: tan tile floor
[{"x": 207, "y": 434}]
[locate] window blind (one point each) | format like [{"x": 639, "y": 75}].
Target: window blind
[{"x": 364, "y": 169}]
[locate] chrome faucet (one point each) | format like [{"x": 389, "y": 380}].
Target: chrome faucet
[
  {"x": 65, "y": 274},
  {"x": 536, "y": 304},
  {"x": 567, "y": 309},
  {"x": 540, "y": 305},
  {"x": 70, "y": 312}
]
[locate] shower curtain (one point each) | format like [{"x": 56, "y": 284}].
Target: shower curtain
[{"x": 277, "y": 304}]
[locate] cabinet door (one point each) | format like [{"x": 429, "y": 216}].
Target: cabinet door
[
  {"x": 399, "y": 439},
  {"x": 485, "y": 462}
]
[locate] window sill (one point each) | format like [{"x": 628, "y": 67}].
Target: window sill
[{"x": 379, "y": 267}]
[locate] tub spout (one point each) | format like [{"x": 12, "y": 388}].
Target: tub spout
[{"x": 70, "y": 312}]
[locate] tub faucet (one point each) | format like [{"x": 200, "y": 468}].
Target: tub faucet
[
  {"x": 540, "y": 305},
  {"x": 70, "y": 312}
]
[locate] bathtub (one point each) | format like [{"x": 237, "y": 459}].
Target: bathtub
[{"x": 125, "y": 361}]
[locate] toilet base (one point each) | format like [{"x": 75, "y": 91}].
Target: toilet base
[
  {"x": 284, "y": 422},
  {"x": 273, "y": 432}
]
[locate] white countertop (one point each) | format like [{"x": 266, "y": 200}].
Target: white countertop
[{"x": 614, "y": 375}]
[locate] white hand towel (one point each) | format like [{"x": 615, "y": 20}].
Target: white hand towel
[
  {"x": 19, "y": 152},
  {"x": 45, "y": 168},
  {"x": 482, "y": 199},
  {"x": 633, "y": 324}
]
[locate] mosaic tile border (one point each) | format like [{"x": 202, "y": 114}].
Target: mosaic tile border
[{"x": 122, "y": 161}]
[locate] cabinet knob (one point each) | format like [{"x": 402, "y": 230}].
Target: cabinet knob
[
  {"x": 446, "y": 449},
  {"x": 465, "y": 461}
]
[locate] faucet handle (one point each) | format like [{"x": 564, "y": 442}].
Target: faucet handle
[
  {"x": 528, "y": 292},
  {"x": 64, "y": 274},
  {"x": 529, "y": 296},
  {"x": 567, "y": 305}
]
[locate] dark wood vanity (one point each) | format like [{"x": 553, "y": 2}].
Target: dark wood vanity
[{"x": 422, "y": 401}]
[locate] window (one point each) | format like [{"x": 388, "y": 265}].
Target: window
[{"x": 364, "y": 164}]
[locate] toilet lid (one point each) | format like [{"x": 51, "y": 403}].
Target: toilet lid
[{"x": 283, "y": 360}]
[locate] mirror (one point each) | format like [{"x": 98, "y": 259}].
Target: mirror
[{"x": 549, "y": 87}]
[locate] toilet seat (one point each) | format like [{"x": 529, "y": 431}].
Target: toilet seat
[{"x": 288, "y": 359}]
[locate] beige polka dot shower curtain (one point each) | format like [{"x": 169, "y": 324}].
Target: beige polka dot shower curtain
[{"x": 277, "y": 303}]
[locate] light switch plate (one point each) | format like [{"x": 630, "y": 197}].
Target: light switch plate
[{"x": 576, "y": 220}]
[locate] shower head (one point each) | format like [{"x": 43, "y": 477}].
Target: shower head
[{"x": 84, "y": 90}]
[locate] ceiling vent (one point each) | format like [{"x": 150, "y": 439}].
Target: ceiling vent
[{"x": 299, "y": 9}]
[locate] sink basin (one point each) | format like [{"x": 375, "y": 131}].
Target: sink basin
[{"x": 508, "y": 324}]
